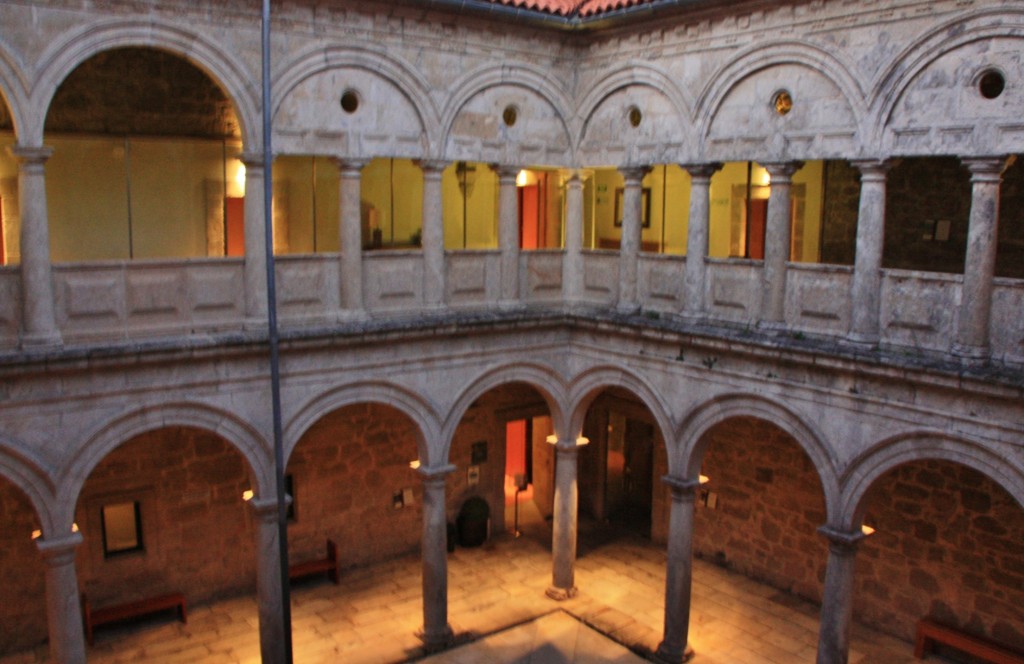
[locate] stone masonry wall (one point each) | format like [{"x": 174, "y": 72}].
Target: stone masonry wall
[
  {"x": 839, "y": 217},
  {"x": 346, "y": 471},
  {"x": 22, "y": 574},
  {"x": 196, "y": 528},
  {"x": 770, "y": 504},
  {"x": 950, "y": 545}
]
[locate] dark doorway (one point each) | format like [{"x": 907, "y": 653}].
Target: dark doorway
[{"x": 630, "y": 469}]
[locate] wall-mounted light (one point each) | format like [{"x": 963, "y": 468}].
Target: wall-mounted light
[
  {"x": 236, "y": 183},
  {"x": 36, "y": 534},
  {"x": 703, "y": 479},
  {"x": 414, "y": 464},
  {"x": 526, "y": 178},
  {"x": 247, "y": 495},
  {"x": 867, "y": 530}
]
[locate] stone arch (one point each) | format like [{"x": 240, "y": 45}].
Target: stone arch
[
  {"x": 818, "y": 133},
  {"x": 12, "y": 88},
  {"x": 376, "y": 66},
  {"x": 239, "y": 434},
  {"x": 541, "y": 378},
  {"x": 30, "y": 475},
  {"x": 587, "y": 386},
  {"x": 64, "y": 55},
  {"x": 685, "y": 460},
  {"x": 548, "y": 140},
  {"x": 416, "y": 408},
  {"x": 662, "y": 136},
  {"x": 886, "y": 455},
  {"x": 894, "y": 83}
]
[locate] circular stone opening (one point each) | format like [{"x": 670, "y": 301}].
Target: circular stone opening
[
  {"x": 991, "y": 84},
  {"x": 349, "y": 101},
  {"x": 635, "y": 116},
  {"x": 510, "y": 115},
  {"x": 782, "y": 102}
]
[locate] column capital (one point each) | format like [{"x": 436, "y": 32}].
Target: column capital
[
  {"x": 265, "y": 509},
  {"x": 702, "y": 171},
  {"x": 634, "y": 174},
  {"x": 349, "y": 167},
  {"x": 842, "y": 542},
  {"x": 567, "y": 446},
  {"x": 782, "y": 170},
  {"x": 29, "y": 155},
  {"x": 251, "y": 160},
  {"x": 872, "y": 170},
  {"x": 435, "y": 473},
  {"x": 681, "y": 485},
  {"x": 57, "y": 551},
  {"x": 986, "y": 169},
  {"x": 432, "y": 166},
  {"x": 505, "y": 171}
]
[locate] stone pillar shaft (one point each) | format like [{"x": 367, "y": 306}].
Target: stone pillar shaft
[
  {"x": 837, "y": 597},
  {"x": 436, "y": 631},
  {"x": 268, "y": 582},
  {"x": 632, "y": 230},
  {"x": 972, "y": 339},
  {"x": 697, "y": 237},
  {"x": 432, "y": 237},
  {"x": 39, "y": 324},
  {"x": 63, "y": 606},
  {"x": 572, "y": 266},
  {"x": 866, "y": 291},
  {"x": 678, "y": 572},
  {"x": 508, "y": 234},
  {"x": 563, "y": 545},
  {"x": 255, "y": 270},
  {"x": 777, "y": 240},
  {"x": 351, "y": 235}
]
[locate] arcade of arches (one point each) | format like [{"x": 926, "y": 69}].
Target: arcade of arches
[{"x": 573, "y": 268}]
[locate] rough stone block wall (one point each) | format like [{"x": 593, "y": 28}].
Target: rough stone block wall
[
  {"x": 482, "y": 424},
  {"x": 950, "y": 545},
  {"x": 141, "y": 91},
  {"x": 22, "y": 574},
  {"x": 919, "y": 192},
  {"x": 1010, "y": 253},
  {"x": 770, "y": 504},
  {"x": 839, "y": 216},
  {"x": 197, "y": 531},
  {"x": 346, "y": 470}
]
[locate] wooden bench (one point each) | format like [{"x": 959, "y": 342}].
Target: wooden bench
[
  {"x": 929, "y": 632},
  {"x": 328, "y": 565},
  {"x": 93, "y": 618}
]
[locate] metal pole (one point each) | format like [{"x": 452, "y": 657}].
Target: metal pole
[{"x": 275, "y": 373}]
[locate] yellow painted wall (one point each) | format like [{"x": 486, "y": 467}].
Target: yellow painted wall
[
  {"x": 669, "y": 193},
  {"x": 480, "y": 209},
  {"x": 394, "y": 190},
  {"x": 811, "y": 176}
]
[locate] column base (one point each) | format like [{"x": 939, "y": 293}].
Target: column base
[
  {"x": 42, "y": 340},
  {"x": 436, "y": 642},
  {"x": 970, "y": 352},
  {"x": 860, "y": 341},
  {"x": 772, "y": 325},
  {"x": 627, "y": 308},
  {"x": 666, "y": 655},
  {"x": 561, "y": 594},
  {"x": 353, "y": 316}
]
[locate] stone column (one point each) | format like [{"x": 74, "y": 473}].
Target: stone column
[
  {"x": 563, "y": 545},
  {"x": 776, "y": 244},
  {"x": 63, "y": 606},
  {"x": 432, "y": 237},
  {"x": 697, "y": 238},
  {"x": 572, "y": 263},
  {"x": 39, "y": 325},
  {"x": 866, "y": 291},
  {"x": 351, "y": 236},
  {"x": 436, "y": 632},
  {"x": 268, "y": 582},
  {"x": 632, "y": 229},
  {"x": 508, "y": 234},
  {"x": 678, "y": 572},
  {"x": 837, "y": 596},
  {"x": 980, "y": 264},
  {"x": 255, "y": 270}
]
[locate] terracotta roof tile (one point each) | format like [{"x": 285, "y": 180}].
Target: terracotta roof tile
[{"x": 572, "y": 7}]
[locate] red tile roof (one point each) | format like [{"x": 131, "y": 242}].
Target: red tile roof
[{"x": 580, "y": 8}]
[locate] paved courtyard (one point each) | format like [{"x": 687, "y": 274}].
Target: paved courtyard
[{"x": 496, "y": 595}]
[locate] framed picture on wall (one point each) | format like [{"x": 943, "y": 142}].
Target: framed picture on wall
[{"x": 645, "y": 206}]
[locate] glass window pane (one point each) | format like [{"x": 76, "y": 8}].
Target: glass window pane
[{"x": 121, "y": 528}]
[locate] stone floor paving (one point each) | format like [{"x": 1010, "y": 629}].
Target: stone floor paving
[{"x": 373, "y": 614}]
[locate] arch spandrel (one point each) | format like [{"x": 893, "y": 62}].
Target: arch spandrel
[
  {"x": 692, "y": 442},
  {"x": 540, "y": 378},
  {"x": 480, "y": 132},
  {"x": 941, "y": 110},
  {"x": 31, "y": 476},
  {"x": 12, "y": 93},
  {"x": 103, "y": 440},
  {"x": 612, "y": 134},
  {"x": 310, "y": 118},
  {"x": 66, "y": 53},
  {"x": 422, "y": 414},
  {"x": 888, "y": 454}
]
